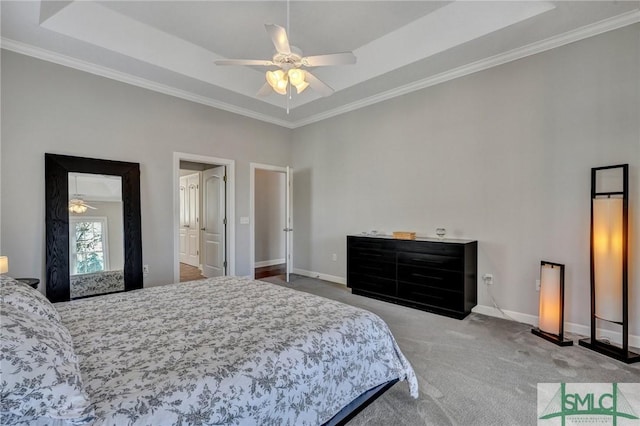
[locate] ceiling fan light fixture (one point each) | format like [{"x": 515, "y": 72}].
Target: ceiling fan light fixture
[
  {"x": 289, "y": 59},
  {"x": 273, "y": 77},
  {"x": 296, "y": 76},
  {"x": 281, "y": 87},
  {"x": 77, "y": 206}
]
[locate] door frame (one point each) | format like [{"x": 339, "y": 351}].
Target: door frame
[
  {"x": 230, "y": 201},
  {"x": 252, "y": 211}
]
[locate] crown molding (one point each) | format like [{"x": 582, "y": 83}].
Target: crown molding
[
  {"x": 591, "y": 30},
  {"x": 587, "y": 31},
  {"x": 68, "y": 61}
]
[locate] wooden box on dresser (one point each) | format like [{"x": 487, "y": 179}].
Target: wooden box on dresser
[{"x": 434, "y": 275}]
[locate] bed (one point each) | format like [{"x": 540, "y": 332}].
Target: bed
[
  {"x": 218, "y": 351},
  {"x": 103, "y": 282}
]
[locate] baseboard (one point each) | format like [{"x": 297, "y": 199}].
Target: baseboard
[
  {"x": 325, "y": 277},
  {"x": 272, "y": 262},
  {"x": 584, "y": 330}
]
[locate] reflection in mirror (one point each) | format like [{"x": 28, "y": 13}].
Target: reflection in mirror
[
  {"x": 61, "y": 210},
  {"x": 96, "y": 234}
]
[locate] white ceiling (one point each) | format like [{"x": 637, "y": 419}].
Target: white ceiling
[
  {"x": 401, "y": 46},
  {"x": 94, "y": 187}
]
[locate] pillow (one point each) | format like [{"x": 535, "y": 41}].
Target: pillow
[
  {"x": 40, "y": 372},
  {"x": 26, "y": 298}
]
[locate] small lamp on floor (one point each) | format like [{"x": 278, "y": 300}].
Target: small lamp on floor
[
  {"x": 4, "y": 264},
  {"x": 551, "y": 310}
]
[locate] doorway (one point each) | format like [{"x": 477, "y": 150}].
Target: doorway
[
  {"x": 270, "y": 211},
  {"x": 203, "y": 217}
]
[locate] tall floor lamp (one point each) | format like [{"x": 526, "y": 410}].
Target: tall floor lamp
[{"x": 609, "y": 263}]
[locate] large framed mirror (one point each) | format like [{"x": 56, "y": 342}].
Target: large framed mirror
[{"x": 93, "y": 227}]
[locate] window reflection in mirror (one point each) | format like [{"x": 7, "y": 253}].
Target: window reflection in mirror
[{"x": 96, "y": 238}]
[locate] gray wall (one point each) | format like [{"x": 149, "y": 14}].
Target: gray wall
[
  {"x": 50, "y": 108},
  {"x": 502, "y": 156},
  {"x": 269, "y": 215}
]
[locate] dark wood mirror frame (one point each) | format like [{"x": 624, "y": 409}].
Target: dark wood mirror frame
[{"x": 57, "y": 168}]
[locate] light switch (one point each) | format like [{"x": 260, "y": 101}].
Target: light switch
[{"x": 244, "y": 220}]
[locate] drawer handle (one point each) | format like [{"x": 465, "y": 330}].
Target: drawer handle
[
  {"x": 429, "y": 296},
  {"x": 428, "y": 260},
  {"x": 372, "y": 268},
  {"x": 427, "y": 276}
]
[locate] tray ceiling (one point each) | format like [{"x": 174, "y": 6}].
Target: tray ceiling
[{"x": 170, "y": 46}]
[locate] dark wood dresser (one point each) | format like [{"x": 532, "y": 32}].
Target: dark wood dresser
[{"x": 434, "y": 275}]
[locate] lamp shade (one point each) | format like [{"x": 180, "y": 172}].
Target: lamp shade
[
  {"x": 551, "y": 308},
  {"x": 4, "y": 264},
  {"x": 608, "y": 257},
  {"x": 296, "y": 76},
  {"x": 275, "y": 77},
  {"x": 550, "y": 299}
]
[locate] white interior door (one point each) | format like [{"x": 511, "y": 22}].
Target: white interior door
[
  {"x": 183, "y": 220},
  {"x": 289, "y": 225},
  {"x": 189, "y": 219},
  {"x": 214, "y": 222}
]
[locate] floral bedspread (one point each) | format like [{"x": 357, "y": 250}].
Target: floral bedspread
[
  {"x": 228, "y": 351},
  {"x": 96, "y": 283}
]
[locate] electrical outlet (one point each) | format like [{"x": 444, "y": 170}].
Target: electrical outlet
[
  {"x": 334, "y": 257},
  {"x": 488, "y": 279},
  {"x": 145, "y": 269},
  {"x": 537, "y": 285}
]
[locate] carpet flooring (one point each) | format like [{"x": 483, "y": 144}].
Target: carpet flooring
[{"x": 477, "y": 371}]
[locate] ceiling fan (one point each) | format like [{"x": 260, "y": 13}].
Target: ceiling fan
[
  {"x": 77, "y": 205},
  {"x": 290, "y": 61}
]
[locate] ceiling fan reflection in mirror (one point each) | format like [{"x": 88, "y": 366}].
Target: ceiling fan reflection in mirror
[
  {"x": 76, "y": 203},
  {"x": 290, "y": 63}
]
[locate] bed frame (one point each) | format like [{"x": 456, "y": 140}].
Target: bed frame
[{"x": 359, "y": 404}]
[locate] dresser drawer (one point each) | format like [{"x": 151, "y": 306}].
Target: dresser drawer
[
  {"x": 373, "y": 268},
  {"x": 431, "y": 247},
  {"x": 371, "y": 243},
  {"x": 448, "y": 280},
  {"x": 373, "y": 284},
  {"x": 367, "y": 254},
  {"x": 431, "y": 296},
  {"x": 437, "y": 261}
]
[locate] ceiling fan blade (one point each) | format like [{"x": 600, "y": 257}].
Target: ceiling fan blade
[
  {"x": 90, "y": 207},
  {"x": 259, "y": 62},
  {"x": 318, "y": 85},
  {"x": 344, "y": 58},
  {"x": 279, "y": 38},
  {"x": 265, "y": 90}
]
